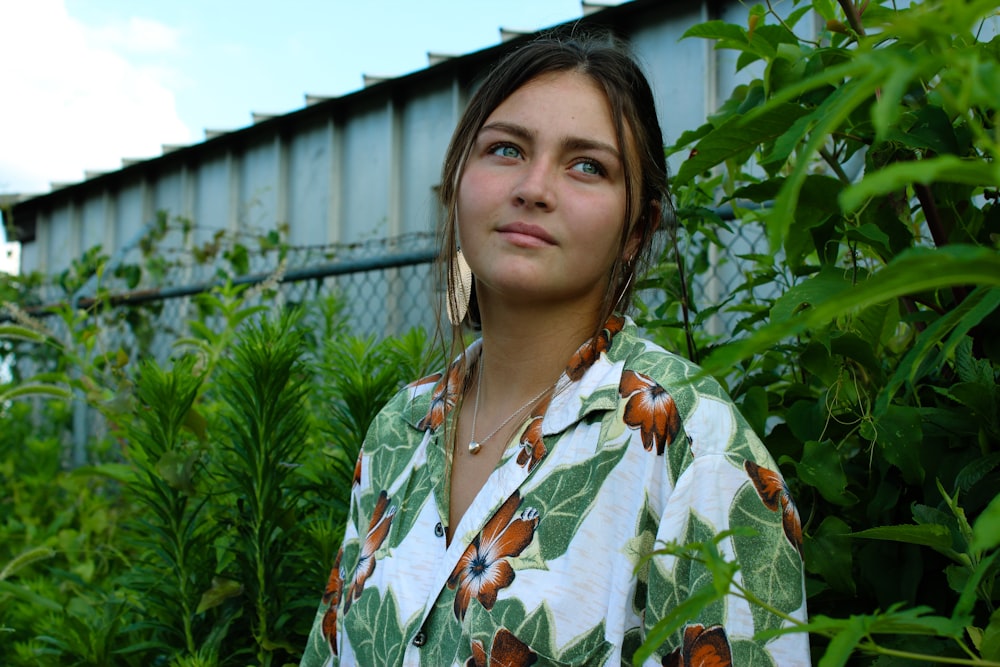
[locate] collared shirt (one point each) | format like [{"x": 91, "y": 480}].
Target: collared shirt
[{"x": 635, "y": 449}]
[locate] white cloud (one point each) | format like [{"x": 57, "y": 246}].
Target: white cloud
[
  {"x": 76, "y": 98},
  {"x": 137, "y": 35}
]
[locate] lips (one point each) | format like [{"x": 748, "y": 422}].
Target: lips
[{"x": 523, "y": 233}]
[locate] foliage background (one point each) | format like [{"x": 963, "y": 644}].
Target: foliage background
[{"x": 863, "y": 348}]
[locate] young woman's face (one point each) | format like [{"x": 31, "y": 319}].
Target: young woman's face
[{"x": 541, "y": 202}]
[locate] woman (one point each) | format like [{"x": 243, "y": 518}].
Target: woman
[{"x": 501, "y": 509}]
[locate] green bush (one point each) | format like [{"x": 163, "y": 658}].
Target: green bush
[{"x": 863, "y": 343}]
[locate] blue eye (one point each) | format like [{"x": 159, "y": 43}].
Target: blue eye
[
  {"x": 589, "y": 167},
  {"x": 506, "y": 150}
]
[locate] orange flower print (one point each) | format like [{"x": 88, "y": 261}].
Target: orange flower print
[
  {"x": 702, "y": 647},
  {"x": 424, "y": 380},
  {"x": 357, "y": 472},
  {"x": 650, "y": 409},
  {"x": 331, "y": 597},
  {"x": 444, "y": 398},
  {"x": 774, "y": 493},
  {"x": 591, "y": 351},
  {"x": 532, "y": 445},
  {"x": 483, "y": 570},
  {"x": 378, "y": 530},
  {"x": 507, "y": 651}
]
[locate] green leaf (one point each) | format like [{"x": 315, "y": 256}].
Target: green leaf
[
  {"x": 736, "y": 137},
  {"x": 822, "y": 468},
  {"x": 913, "y": 271},
  {"x": 899, "y": 434},
  {"x": 990, "y": 645},
  {"x": 931, "y": 130},
  {"x": 986, "y": 528},
  {"x": 18, "y": 332},
  {"x": 29, "y": 596},
  {"x": 976, "y": 470},
  {"x": 222, "y": 589},
  {"x": 898, "y": 175},
  {"x": 935, "y": 536},
  {"x": 828, "y": 554},
  {"x": 24, "y": 559},
  {"x": 887, "y": 108},
  {"x": 120, "y": 472},
  {"x": 965, "y": 606},
  {"x": 834, "y": 110},
  {"x": 843, "y": 643},
  {"x": 32, "y": 390},
  {"x": 917, "y": 361},
  {"x": 716, "y": 30}
]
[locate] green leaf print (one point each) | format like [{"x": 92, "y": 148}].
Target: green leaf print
[
  {"x": 447, "y": 632},
  {"x": 395, "y": 442},
  {"x": 679, "y": 455},
  {"x": 416, "y": 495},
  {"x": 386, "y": 646},
  {"x": 769, "y": 563},
  {"x": 589, "y": 648},
  {"x": 638, "y": 548},
  {"x": 673, "y": 580},
  {"x": 565, "y": 497},
  {"x": 679, "y": 380},
  {"x": 748, "y": 653},
  {"x": 534, "y": 630},
  {"x": 604, "y": 398}
]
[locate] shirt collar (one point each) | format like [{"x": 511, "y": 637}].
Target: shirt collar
[{"x": 589, "y": 383}]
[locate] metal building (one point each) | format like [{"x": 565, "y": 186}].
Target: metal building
[{"x": 345, "y": 170}]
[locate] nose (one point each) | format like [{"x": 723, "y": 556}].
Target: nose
[{"x": 535, "y": 188}]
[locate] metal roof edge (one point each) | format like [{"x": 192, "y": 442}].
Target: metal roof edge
[{"x": 461, "y": 65}]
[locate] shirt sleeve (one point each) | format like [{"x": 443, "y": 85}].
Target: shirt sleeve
[
  {"x": 741, "y": 491},
  {"x": 327, "y": 640}
]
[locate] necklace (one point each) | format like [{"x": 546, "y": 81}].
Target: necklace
[{"x": 475, "y": 446}]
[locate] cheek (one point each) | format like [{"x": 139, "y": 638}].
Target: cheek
[{"x": 467, "y": 198}]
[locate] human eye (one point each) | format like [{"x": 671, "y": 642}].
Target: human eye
[
  {"x": 505, "y": 150},
  {"x": 590, "y": 167}
]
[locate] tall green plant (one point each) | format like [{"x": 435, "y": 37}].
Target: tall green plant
[
  {"x": 167, "y": 449},
  {"x": 864, "y": 338},
  {"x": 354, "y": 378},
  {"x": 263, "y": 437}
]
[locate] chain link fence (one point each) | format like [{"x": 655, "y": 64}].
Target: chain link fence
[
  {"x": 381, "y": 288},
  {"x": 384, "y": 287}
]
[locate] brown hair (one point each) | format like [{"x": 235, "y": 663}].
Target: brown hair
[{"x": 608, "y": 63}]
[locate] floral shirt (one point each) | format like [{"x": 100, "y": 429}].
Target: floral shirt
[{"x": 546, "y": 566}]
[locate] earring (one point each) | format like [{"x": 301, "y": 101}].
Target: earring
[
  {"x": 459, "y": 289},
  {"x": 631, "y": 272}
]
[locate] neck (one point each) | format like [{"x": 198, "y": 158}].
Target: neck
[{"x": 528, "y": 348}]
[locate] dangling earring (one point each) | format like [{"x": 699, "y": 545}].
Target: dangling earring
[
  {"x": 459, "y": 289},
  {"x": 631, "y": 272}
]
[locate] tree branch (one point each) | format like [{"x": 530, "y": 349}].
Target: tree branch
[{"x": 853, "y": 17}]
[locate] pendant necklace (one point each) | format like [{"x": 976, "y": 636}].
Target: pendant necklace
[{"x": 475, "y": 446}]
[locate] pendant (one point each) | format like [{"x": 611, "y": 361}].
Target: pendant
[{"x": 474, "y": 447}]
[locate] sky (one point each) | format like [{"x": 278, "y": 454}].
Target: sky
[{"x": 86, "y": 83}]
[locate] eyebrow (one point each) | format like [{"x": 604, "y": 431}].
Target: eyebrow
[{"x": 570, "y": 143}]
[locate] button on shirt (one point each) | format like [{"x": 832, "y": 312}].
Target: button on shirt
[{"x": 627, "y": 454}]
